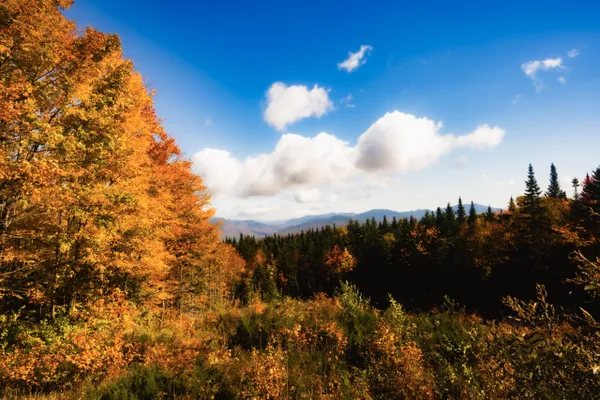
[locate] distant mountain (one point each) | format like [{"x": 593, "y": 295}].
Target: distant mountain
[
  {"x": 308, "y": 219},
  {"x": 233, "y": 228}
]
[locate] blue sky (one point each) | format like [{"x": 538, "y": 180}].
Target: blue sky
[{"x": 466, "y": 64}]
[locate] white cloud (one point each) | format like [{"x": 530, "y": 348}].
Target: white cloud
[
  {"x": 481, "y": 138},
  {"x": 347, "y": 101},
  {"x": 562, "y": 80},
  {"x": 218, "y": 168},
  {"x": 401, "y": 142},
  {"x": 355, "y": 60},
  {"x": 396, "y": 143},
  {"x": 531, "y": 68},
  {"x": 208, "y": 122},
  {"x": 295, "y": 162},
  {"x": 573, "y": 53},
  {"x": 289, "y": 104},
  {"x": 552, "y": 63},
  {"x": 516, "y": 99}
]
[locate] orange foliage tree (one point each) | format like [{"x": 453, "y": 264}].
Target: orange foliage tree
[{"x": 94, "y": 195}]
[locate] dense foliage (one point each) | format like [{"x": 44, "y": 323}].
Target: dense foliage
[
  {"x": 474, "y": 259},
  {"x": 114, "y": 284}
]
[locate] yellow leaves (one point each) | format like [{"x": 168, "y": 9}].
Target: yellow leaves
[
  {"x": 340, "y": 261},
  {"x": 4, "y": 51},
  {"x": 84, "y": 351},
  {"x": 64, "y": 247},
  {"x": 90, "y": 158},
  {"x": 397, "y": 367},
  {"x": 267, "y": 374}
]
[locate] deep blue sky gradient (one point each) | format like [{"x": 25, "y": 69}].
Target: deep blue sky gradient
[{"x": 453, "y": 61}]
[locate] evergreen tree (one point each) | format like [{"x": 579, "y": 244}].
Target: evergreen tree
[
  {"x": 590, "y": 194},
  {"x": 460, "y": 212},
  {"x": 472, "y": 214},
  {"x": 512, "y": 207},
  {"x": 489, "y": 215},
  {"x": 439, "y": 218},
  {"x": 575, "y": 184},
  {"x": 554, "y": 191},
  {"x": 533, "y": 192},
  {"x": 450, "y": 216},
  {"x": 385, "y": 226}
]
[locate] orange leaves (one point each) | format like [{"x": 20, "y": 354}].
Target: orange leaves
[
  {"x": 397, "y": 367},
  {"x": 44, "y": 357},
  {"x": 340, "y": 261},
  {"x": 266, "y": 376},
  {"x": 92, "y": 189}
]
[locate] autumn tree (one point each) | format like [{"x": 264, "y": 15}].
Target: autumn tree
[
  {"x": 93, "y": 193},
  {"x": 340, "y": 261}
]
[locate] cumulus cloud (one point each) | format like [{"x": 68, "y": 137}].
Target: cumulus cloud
[
  {"x": 355, "y": 60},
  {"x": 573, "y": 53},
  {"x": 396, "y": 143},
  {"x": 222, "y": 178},
  {"x": 296, "y": 161},
  {"x": 402, "y": 143},
  {"x": 289, "y": 104},
  {"x": 562, "y": 80}
]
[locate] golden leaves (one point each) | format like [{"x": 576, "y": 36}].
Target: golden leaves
[
  {"x": 91, "y": 184},
  {"x": 340, "y": 261}
]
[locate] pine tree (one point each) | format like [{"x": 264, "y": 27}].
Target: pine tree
[
  {"x": 532, "y": 194},
  {"x": 385, "y": 226},
  {"x": 554, "y": 191},
  {"x": 460, "y": 212},
  {"x": 439, "y": 218},
  {"x": 590, "y": 194},
  {"x": 512, "y": 207},
  {"x": 575, "y": 184},
  {"x": 489, "y": 215},
  {"x": 472, "y": 214},
  {"x": 450, "y": 217}
]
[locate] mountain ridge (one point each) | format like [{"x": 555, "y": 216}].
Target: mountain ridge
[{"x": 233, "y": 227}]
